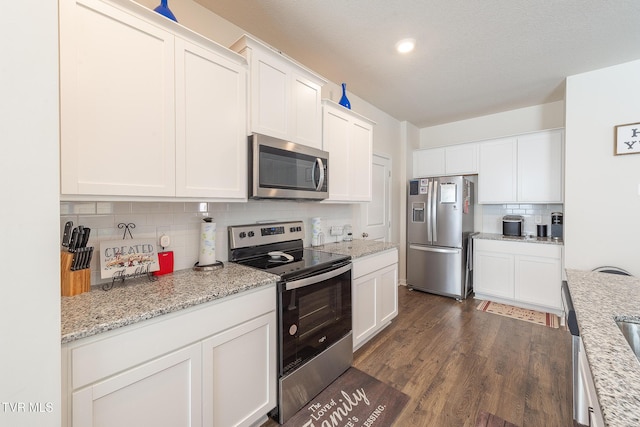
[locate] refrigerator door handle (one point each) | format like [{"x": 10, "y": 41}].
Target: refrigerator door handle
[
  {"x": 429, "y": 211},
  {"x": 434, "y": 208},
  {"x": 432, "y": 249}
]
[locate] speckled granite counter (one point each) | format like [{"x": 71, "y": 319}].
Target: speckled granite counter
[
  {"x": 99, "y": 311},
  {"x": 542, "y": 240},
  {"x": 357, "y": 248},
  {"x": 598, "y": 299}
]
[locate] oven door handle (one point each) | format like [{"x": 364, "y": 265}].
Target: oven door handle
[{"x": 317, "y": 279}]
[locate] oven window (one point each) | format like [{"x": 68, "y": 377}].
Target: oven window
[{"x": 313, "y": 318}]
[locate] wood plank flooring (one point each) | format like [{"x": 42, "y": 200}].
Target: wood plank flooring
[{"x": 454, "y": 361}]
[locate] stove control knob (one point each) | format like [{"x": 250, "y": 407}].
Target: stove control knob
[
  {"x": 242, "y": 235},
  {"x": 292, "y": 229},
  {"x": 251, "y": 234},
  {"x": 298, "y": 228}
]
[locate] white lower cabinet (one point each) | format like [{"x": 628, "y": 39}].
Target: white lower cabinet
[
  {"x": 209, "y": 365},
  {"x": 589, "y": 412},
  {"x": 527, "y": 274},
  {"x": 163, "y": 392},
  {"x": 237, "y": 377},
  {"x": 375, "y": 294}
]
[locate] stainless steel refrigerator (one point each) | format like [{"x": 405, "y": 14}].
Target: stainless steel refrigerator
[{"x": 439, "y": 229}]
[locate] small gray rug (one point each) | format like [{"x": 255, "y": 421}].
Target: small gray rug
[{"x": 354, "y": 399}]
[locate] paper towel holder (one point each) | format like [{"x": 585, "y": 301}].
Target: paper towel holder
[{"x": 209, "y": 267}]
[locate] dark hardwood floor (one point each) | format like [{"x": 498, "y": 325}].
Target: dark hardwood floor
[{"x": 454, "y": 361}]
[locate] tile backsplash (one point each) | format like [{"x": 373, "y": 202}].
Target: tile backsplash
[
  {"x": 492, "y": 216},
  {"x": 181, "y": 222}
]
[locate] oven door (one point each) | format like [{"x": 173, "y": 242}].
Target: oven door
[
  {"x": 315, "y": 312},
  {"x": 282, "y": 169}
]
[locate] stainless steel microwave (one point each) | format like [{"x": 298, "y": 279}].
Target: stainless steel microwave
[{"x": 280, "y": 169}]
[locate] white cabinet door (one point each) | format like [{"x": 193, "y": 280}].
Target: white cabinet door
[
  {"x": 540, "y": 167},
  {"x": 239, "y": 370},
  {"x": 388, "y": 294},
  {"x": 492, "y": 272},
  {"x": 164, "y": 392},
  {"x": 365, "y": 307},
  {"x": 589, "y": 413},
  {"x": 284, "y": 97},
  {"x": 428, "y": 162},
  {"x": 538, "y": 280},
  {"x": 306, "y": 111},
  {"x": 117, "y": 102},
  {"x": 211, "y": 145},
  {"x": 269, "y": 95},
  {"x": 360, "y": 161},
  {"x": 374, "y": 294},
  {"x": 348, "y": 137},
  {"x": 497, "y": 172},
  {"x": 461, "y": 159}
]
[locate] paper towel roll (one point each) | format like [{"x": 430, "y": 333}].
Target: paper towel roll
[
  {"x": 207, "y": 254},
  {"x": 316, "y": 226}
]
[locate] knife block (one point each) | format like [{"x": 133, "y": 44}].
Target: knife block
[{"x": 73, "y": 282}]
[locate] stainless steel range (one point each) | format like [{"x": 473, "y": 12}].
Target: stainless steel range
[{"x": 315, "y": 344}]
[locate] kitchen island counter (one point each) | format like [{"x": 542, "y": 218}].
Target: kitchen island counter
[
  {"x": 356, "y": 248},
  {"x": 139, "y": 299},
  {"x": 599, "y": 300}
]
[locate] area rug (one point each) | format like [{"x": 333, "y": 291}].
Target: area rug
[
  {"x": 486, "y": 419},
  {"x": 354, "y": 399},
  {"x": 538, "y": 317}
]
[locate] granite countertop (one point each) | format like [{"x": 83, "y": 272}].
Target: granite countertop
[
  {"x": 599, "y": 299},
  {"x": 356, "y": 248},
  {"x": 525, "y": 239},
  {"x": 139, "y": 299}
]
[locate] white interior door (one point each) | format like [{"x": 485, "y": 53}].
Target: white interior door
[{"x": 376, "y": 214}]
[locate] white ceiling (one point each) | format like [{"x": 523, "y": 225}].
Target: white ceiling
[{"x": 472, "y": 57}]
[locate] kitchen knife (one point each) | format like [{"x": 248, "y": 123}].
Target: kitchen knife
[
  {"x": 84, "y": 254},
  {"x": 73, "y": 243},
  {"x": 66, "y": 234},
  {"x": 80, "y": 237},
  {"x": 76, "y": 260},
  {"x": 85, "y": 237},
  {"x": 89, "y": 257}
]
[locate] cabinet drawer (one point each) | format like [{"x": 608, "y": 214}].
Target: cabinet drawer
[
  {"x": 112, "y": 352},
  {"x": 519, "y": 248},
  {"x": 374, "y": 262}
]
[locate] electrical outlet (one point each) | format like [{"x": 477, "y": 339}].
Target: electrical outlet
[
  {"x": 538, "y": 219},
  {"x": 336, "y": 230}
]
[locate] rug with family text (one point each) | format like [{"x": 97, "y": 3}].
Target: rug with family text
[{"x": 354, "y": 399}]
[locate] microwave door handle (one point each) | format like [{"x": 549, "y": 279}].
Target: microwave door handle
[{"x": 321, "y": 178}]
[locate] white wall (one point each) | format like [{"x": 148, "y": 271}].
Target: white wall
[
  {"x": 30, "y": 301},
  {"x": 410, "y": 142},
  {"x": 602, "y": 204},
  {"x": 514, "y": 122}
]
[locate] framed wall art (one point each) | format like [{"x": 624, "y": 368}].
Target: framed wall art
[{"x": 627, "y": 139}]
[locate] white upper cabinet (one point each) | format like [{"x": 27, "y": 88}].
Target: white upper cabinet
[
  {"x": 148, "y": 108},
  {"x": 428, "y": 162},
  {"x": 459, "y": 159},
  {"x": 117, "y": 102},
  {"x": 284, "y": 97},
  {"x": 526, "y": 168},
  {"x": 540, "y": 160},
  {"x": 498, "y": 171},
  {"x": 211, "y": 145},
  {"x": 348, "y": 137}
]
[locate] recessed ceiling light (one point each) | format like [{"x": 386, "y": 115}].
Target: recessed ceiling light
[{"x": 405, "y": 45}]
